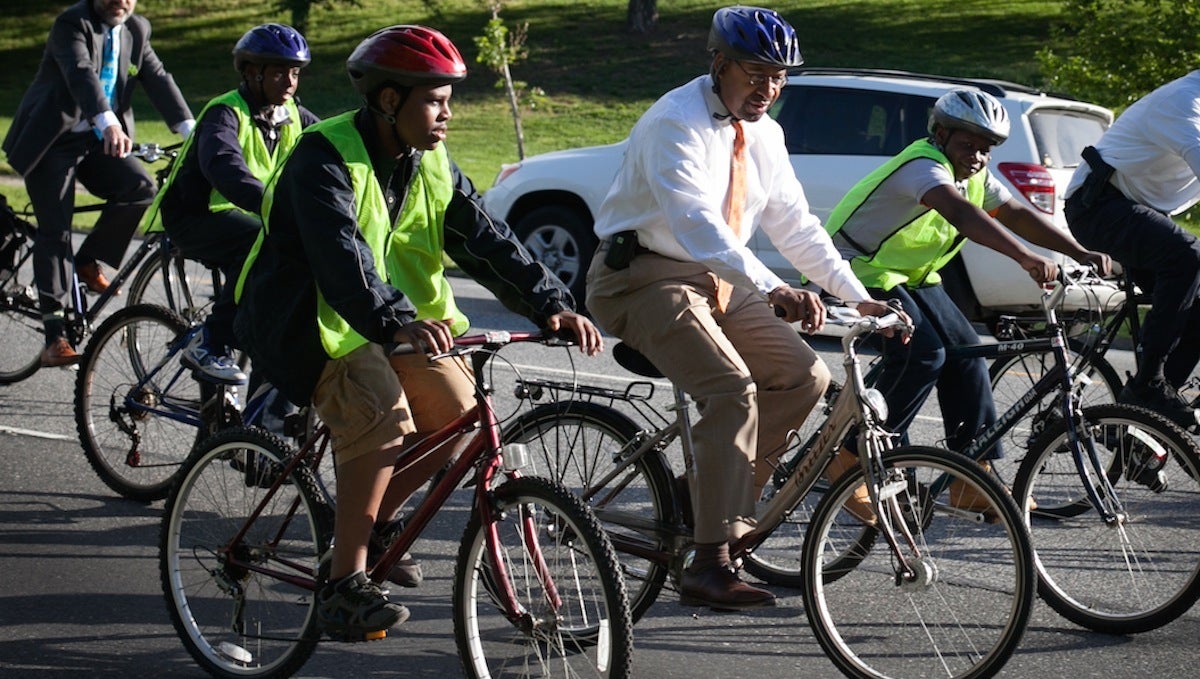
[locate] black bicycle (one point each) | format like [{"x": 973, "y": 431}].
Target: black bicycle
[{"x": 155, "y": 273}]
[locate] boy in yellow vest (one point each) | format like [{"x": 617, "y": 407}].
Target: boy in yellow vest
[
  {"x": 211, "y": 202},
  {"x": 905, "y": 221},
  {"x": 356, "y": 222}
]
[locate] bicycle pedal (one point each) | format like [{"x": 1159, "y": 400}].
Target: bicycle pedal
[{"x": 356, "y": 638}]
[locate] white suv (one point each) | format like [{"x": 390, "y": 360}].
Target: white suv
[{"x": 839, "y": 125}]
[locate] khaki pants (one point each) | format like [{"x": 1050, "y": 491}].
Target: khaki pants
[{"x": 753, "y": 378}]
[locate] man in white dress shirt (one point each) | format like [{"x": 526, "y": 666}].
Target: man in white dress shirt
[{"x": 675, "y": 280}]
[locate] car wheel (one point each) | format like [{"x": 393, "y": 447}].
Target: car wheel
[{"x": 563, "y": 240}]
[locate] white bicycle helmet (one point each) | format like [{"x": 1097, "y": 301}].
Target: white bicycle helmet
[{"x": 973, "y": 111}]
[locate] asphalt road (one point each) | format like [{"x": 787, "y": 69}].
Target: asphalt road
[{"x": 81, "y": 596}]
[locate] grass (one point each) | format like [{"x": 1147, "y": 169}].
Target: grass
[{"x": 598, "y": 77}]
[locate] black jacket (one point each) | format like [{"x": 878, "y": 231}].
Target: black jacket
[{"x": 313, "y": 241}]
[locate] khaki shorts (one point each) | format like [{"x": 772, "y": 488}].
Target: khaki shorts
[{"x": 371, "y": 401}]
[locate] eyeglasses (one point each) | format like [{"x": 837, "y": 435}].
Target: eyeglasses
[{"x": 757, "y": 80}]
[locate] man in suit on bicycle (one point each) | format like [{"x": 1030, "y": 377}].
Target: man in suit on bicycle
[
  {"x": 76, "y": 122},
  {"x": 906, "y": 220},
  {"x": 1145, "y": 169},
  {"x": 356, "y": 223},
  {"x": 211, "y": 202},
  {"x": 675, "y": 280}
]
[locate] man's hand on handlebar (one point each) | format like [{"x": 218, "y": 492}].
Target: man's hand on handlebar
[
  {"x": 116, "y": 143},
  {"x": 797, "y": 305},
  {"x": 433, "y": 337},
  {"x": 585, "y": 333},
  {"x": 1100, "y": 263},
  {"x": 1042, "y": 270}
]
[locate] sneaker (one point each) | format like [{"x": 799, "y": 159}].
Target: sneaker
[
  {"x": 1158, "y": 395},
  {"x": 92, "y": 276},
  {"x": 1144, "y": 464},
  {"x": 356, "y": 609},
  {"x": 207, "y": 365},
  {"x": 407, "y": 571},
  {"x": 59, "y": 353}
]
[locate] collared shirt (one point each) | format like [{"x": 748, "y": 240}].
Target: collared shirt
[
  {"x": 672, "y": 188},
  {"x": 1155, "y": 147}
]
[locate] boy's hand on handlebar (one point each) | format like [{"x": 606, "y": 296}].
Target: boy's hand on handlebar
[
  {"x": 116, "y": 143},
  {"x": 873, "y": 307},
  {"x": 433, "y": 337},
  {"x": 586, "y": 334},
  {"x": 1041, "y": 269},
  {"x": 797, "y": 305}
]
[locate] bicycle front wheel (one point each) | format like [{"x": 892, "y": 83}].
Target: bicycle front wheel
[
  {"x": 950, "y": 598},
  {"x": 578, "y": 444},
  {"x": 1141, "y": 571},
  {"x": 562, "y": 610},
  {"x": 20, "y": 316},
  {"x": 243, "y": 603},
  {"x": 136, "y": 408}
]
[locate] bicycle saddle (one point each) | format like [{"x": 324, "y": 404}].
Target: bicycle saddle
[{"x": 633, "y": 361}]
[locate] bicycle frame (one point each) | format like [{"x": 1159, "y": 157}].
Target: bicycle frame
[
  {"x": 482, "y": 460},
  {"x": 1059, "y": 378}
]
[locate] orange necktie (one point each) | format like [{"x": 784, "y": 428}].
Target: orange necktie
[{"x": 736, "y": 203}]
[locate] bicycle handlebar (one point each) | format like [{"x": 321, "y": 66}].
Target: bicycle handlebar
[
  {"x": 152, "y": 152},
  {"x": 486, "y": 340}
]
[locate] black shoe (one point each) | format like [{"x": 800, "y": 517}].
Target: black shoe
[
  {"x": 1158, "y": 395},
  {"x": 356, "y": 609},
  {"x": 720, "y": 589},
  {"x": 407, "y": 571}
]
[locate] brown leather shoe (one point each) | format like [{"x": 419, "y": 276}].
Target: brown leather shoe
[
  {"x": 59, "y": 353},
  {"x": 720, "y": 589},
  {"x": 969, "y": 498},
  {"x": 859, "y": 504},
  {"x": 92, "y": 277}
]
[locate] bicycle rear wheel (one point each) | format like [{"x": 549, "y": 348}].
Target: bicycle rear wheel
[
  {"x": 1144, "y": 571},
  {"x": 188, "y": 283},
  {"x": 1013, "y": 378},
  {"x": 965, "y": 606},
  {"x": 577, "y": 444},
  {"x": 20, "y": 316},
  {"x": 572, "y": 616},
  {"x": 136, "y": 408},
  {"x": 244, "y": 606}
]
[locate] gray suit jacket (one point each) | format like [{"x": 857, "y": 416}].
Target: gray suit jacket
[{"x": 67, "y": 87}]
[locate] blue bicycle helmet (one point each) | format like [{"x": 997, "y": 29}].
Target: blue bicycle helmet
[
  {"x": 271, "y": 44},
  {"x": 754, "y": 34}
]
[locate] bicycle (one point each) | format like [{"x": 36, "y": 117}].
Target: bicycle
[
  {"x": 537, "y": 587},
  {"x": 155, "y": 273},
  {"x": 139, "y": 412},
  {"x": 965, "y": 575}
]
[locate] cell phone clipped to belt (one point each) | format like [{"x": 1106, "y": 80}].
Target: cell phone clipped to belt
[{"x": 622, "y": 248}]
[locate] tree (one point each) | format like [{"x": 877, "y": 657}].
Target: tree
[
  {"x": 498, "y": 48},
  {"x": 300, "y": 9},
  {"x": 642, "y": 15},
  {"x": 1113, "y": 52}
]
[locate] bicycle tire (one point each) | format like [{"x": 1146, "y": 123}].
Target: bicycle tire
[
  {"x": 190, "y": 285},
  {"x": 136, "y": 452},
  {"x": 589, "y": 634},
  {"x": 208, "y": 595},
  {"x": 1124, "y": 579},
  {"x": 1013, "y": 378},
  {"x": 574, "y": 444},
  {"x": 965, "y": 613},
  {"x": 20, "y": 318}
]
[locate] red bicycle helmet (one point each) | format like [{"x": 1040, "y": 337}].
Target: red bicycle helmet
[{"x": 407, "y": 56}]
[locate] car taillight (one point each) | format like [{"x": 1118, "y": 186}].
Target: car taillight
[{"x": 1033, "y": 181}]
